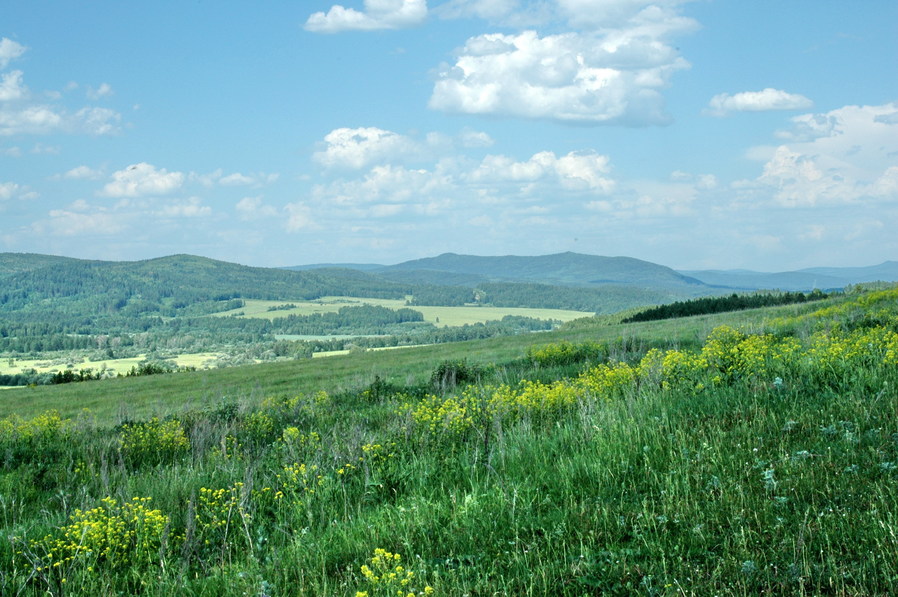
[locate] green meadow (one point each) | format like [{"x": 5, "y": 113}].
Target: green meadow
[
  {"x": 735, "y": 454},
  {"x": 441, "y": 316}
]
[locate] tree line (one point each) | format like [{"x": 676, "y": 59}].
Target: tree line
[{"x": 721, "y": 304}]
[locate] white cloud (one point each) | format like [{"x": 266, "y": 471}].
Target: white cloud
[
  {"x": 843, "y": 156},
  {"x": 142, "y": 179},
  {"x": 605, "y": 14},
  {"x": 471, "y": 139},
  {"x": 386, "y": 183},
  {"x": 41, "y": 119},
  {"x": 299, "y": 217},
  {"x": 574, "y": 171},
  {"x": 191, "y": 208},
  {"x": 82, "y": 173},
  {"x": 491, "y": 10},
  {"x": 589, "y": 78},
  {"x": 104, "y": 90},
  {"x": 8, "y": 190},
  {"x": 13, "y": 152},
  {"x": 757, "y": 101},
  {"x": 360, "y": 147},
  {"x": 377, "y": 14},
  {"x": 11, "y": 87},
  {"x": 68, "y": 222},
  {"x": 96, "y": 121},
  {"x": 9, "y": 50},
  {"x": 236, "y": 179},
  {"x": 252, "y": 208},
  {"x": 20, "y": 114}
]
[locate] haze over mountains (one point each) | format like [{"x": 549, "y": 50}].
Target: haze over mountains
[{"x": 575, "y": 269}]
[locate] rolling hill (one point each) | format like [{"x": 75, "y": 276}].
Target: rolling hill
[{"x": 824, "y": 278}]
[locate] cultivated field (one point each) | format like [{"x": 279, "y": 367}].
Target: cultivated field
[{"x": 441, "y": 316}]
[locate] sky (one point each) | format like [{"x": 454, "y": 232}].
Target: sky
[{"x": 698, "y": 134}]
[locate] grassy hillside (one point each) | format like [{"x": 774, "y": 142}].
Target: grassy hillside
[{"x": 749, "y": 453}]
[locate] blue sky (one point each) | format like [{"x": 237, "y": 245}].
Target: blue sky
[{"x": 695, "y": 134}]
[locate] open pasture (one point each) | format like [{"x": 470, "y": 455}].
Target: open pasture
[
  {"x": 10, "y": 366},
  {"x": 440, "y": 316}
]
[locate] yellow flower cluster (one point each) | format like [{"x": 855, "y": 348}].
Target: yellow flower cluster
[
  {"x": 378, "y": 454},
  {"x": 386, "y": 576},
  {"x": 153, "y": 442},
  {"x": 727, "y": 356},
  {"x": 45, "y": 427},
  {"x": 609, "y": 381},
  {"x": 296, "y": 403},
  {"x": 259, "y": 426},
  {"x": 298, "y": 480},
  {"x": 560, "y": 353},
  {"x": 217, "y": 511},
  {"x": 292, "y": 436},
  {"x": 111, "y": 535},
  {"x": 452, "y": 415},
  {"x": 836, "y": 352}
]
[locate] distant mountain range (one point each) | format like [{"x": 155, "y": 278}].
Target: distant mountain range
[{"x": 574, "y": 269}]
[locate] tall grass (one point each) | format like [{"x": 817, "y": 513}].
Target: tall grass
[{"x": 740, "y": 463}]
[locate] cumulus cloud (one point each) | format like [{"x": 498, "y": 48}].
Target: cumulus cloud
[
  {"x": 757, "y": 101},
  {"x": 21, "y": 114},
  {"x": 104, "y": 90},
  {"x": 386, "y": 183},
  {"x": 82, "y": 173},
  {"x": 843, "y": 156},
  {"x": 236, "y": 179},
  {"x": 142, "y": 179},
  {"x": 38, "y": 119},
  {"x": 490, "y": 10},
  {"x": 360, "y": 147},
  {"x": 11, "y": 87},
  {"x": 252, "y": 208},
  {"x": 191, "y": 208},
  {"x": 588, "y": 78},
  {"x": 299, "y": 217},
  {"x": 574, "y": 171},
  {"x": 377, "y": 14},
  {"x": 8, "y": 190},
  {"x": 9, "y": 51}
]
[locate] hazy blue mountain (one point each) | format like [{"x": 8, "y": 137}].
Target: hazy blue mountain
[
  {"x": 562, "y": 269},
  {"x": 362, "y": 267},
  {"x": 824, "y": 278}
]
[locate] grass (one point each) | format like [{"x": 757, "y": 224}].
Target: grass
[
  {"x": 249, "y": 384},
  {"x": 719, "y": 466},
  {"x": 114, "y": 366},
  {"x": 441, "y": 316}
]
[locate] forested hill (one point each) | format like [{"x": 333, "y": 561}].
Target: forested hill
[
  {"x": 13, "y": 263},
  {"x": 167, "y": 285},
  {"x": 562, "y": 269}
]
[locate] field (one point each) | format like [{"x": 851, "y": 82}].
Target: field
[
  {"x": 735, "y": 454},
  {"x": 440, "y": 316},
  {"x": 113, "y": 366}
]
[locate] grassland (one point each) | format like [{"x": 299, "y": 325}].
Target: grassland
[
  {"x": 112, "y": 366},
  {"x": 740, "y": 454},
  {"x": 440, "y": 316}
]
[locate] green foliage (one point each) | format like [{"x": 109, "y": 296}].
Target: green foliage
[
  {"x": 735, "y": 302},
  {"x": 450, "y": 374},
  {"x": 153, "y": 442},
  {"x": 757, "y": 461}
]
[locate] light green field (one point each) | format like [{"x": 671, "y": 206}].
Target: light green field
[
  {"x": 115, "y": 366},
  {"x": 441, "y": 316}
]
